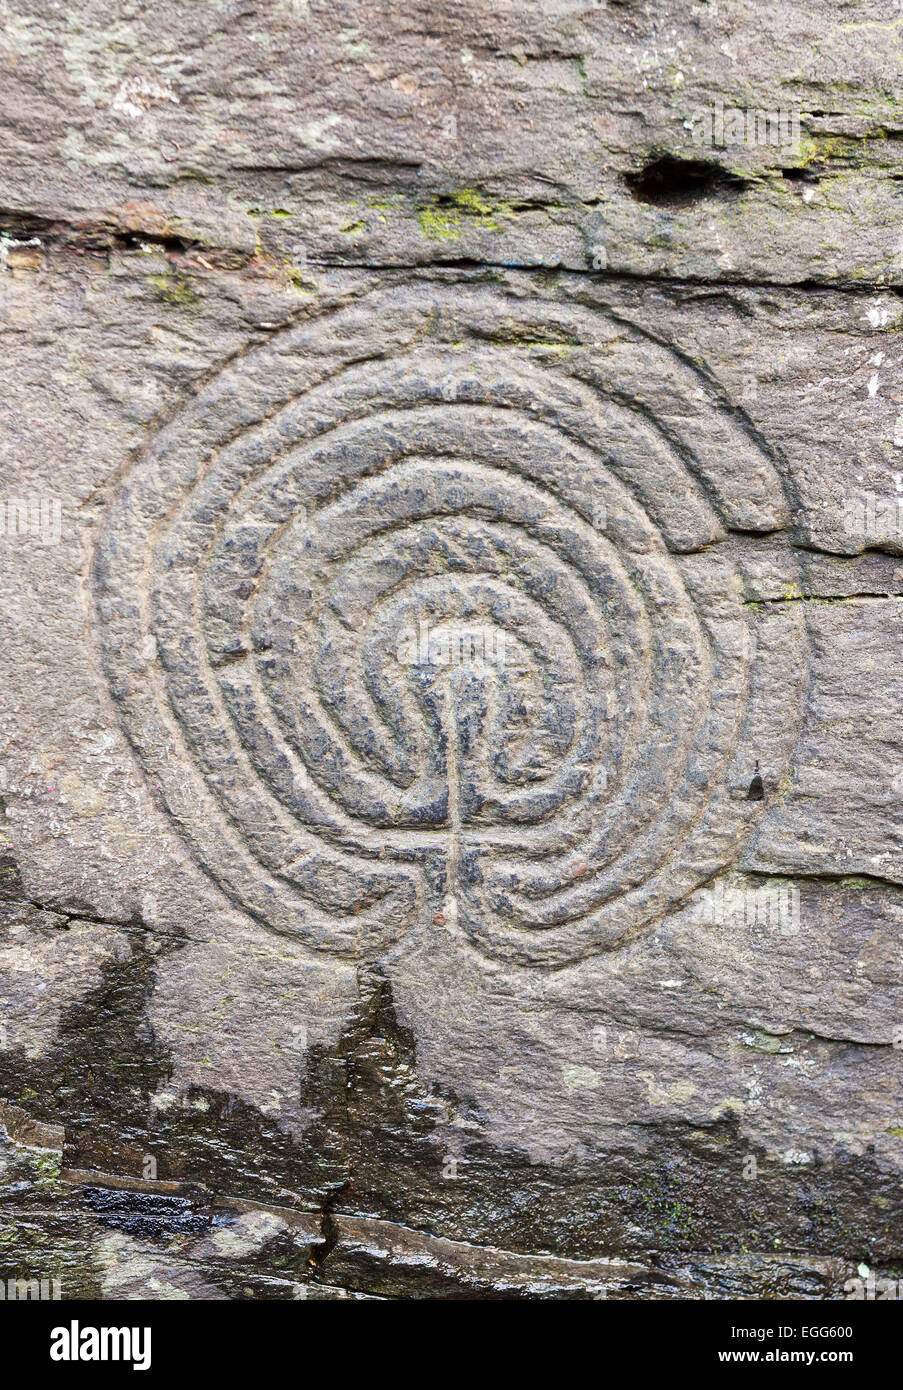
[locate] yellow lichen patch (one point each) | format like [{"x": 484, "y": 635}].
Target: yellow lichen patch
[
  {"x": 732, "y": 1106},
  {"x": 577, "y": 1078},
  {"x": 682, "y": 1090}
]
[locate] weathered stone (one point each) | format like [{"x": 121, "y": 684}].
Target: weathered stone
[
  {"x": 454, "y": 554},
  {"x": 409, "y": 1264}
]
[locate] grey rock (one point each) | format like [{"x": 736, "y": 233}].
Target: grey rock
[{"x": 452, "y": 513}]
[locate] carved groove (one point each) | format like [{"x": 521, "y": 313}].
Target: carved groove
[{"x": 276, "y": 567}]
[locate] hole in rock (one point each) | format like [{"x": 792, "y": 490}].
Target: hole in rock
[
  {"x": 669, "y": 180},
  {"x": 810, "y": 175}
]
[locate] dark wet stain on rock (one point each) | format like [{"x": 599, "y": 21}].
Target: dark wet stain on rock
[
  {"x": 145, "y": 1214},
  {"x": 10, "y": 878},
  {"x": 377, "y": 1141}
]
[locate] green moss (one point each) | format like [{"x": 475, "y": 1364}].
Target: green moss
[
  {"x": 472, "y": 203},
  {"x": 50, "y": 1248},
  {"x": 296, "y": 278},
  {"x": 442, "y": 218},
  {"x": 436, "y": 225},
  {"x": 174, "y": 289},
  {"x": 44, "y": 1169},
  {"x": 855, "y": 881}
]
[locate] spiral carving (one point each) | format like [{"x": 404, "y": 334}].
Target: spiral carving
[{"x": 431, "y": 612}]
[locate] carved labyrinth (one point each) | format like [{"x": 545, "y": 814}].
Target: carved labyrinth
[{"x": 430, "y": 615}]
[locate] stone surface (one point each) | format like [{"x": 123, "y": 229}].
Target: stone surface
[{"x": 452, "y": 763}]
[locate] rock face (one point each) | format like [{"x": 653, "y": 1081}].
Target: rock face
[{"x": 453, "y": 508}]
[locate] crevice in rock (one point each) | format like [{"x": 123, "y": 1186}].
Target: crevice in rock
[
  {"x": 102, "y": 237},
  {"x": 671, "y": 181},
  {"x": 81, "y": 914},
  {"x": 810, "y": 174},
  {"x": 843, "y": 879},
  {"x": 654, "y": 279},
  {"x": 882, "y": 597}
]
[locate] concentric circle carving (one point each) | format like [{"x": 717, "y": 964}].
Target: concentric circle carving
[{"x": 433, "y": 611}]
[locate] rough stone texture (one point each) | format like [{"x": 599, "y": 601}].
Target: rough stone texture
[{"x": 334, "y": 964}]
